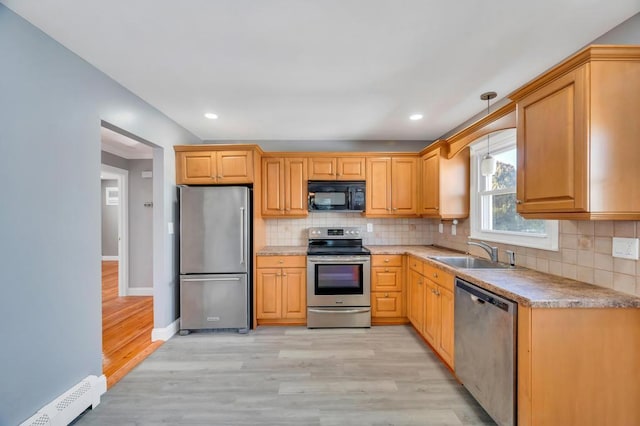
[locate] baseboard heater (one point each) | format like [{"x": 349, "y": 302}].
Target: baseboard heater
[{"x": 64, "y": 409}]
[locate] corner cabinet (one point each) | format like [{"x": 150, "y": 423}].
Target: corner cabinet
[
  {"x": 204, "y": 165},
  {"x": 336, "y": 168},
  {"x": 387, "y": 290},
  {"x": 577, "y": 134},
  {"x": 391, "y": 186},
  {"x": 284, "y": 187},
  {"x": 281, "y": 290},
  {"x": 444, "y": 183}
]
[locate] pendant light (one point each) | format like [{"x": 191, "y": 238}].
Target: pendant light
[{"x": 488, "y": 163}]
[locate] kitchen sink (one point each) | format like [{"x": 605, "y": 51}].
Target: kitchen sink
[{"x": 468, "y": 262}]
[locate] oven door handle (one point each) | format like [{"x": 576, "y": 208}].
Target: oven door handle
[
  {"x": 339, "y": 259},
  {"x": 340, "y": 311}
]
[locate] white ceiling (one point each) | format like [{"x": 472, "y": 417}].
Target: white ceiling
[
  {"x": 123, "y": 146},
  {"x": 322, "y": 69}
]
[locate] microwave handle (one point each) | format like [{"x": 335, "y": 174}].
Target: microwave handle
[{"x": 312, "y": 200}]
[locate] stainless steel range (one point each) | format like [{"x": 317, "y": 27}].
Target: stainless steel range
[{"x": 338, "y": 279}]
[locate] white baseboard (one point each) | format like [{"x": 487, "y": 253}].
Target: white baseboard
[
  {"x": 68, "y": 406},
  {"x": 165, "y": 333},
  {"x": 110, "y": 258},
  {"x": 140, "y": 291}
]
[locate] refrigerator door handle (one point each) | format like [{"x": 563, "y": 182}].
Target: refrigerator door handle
[
  {"x": 210, "y": 279},
  {"x": 242, "y": 231}
]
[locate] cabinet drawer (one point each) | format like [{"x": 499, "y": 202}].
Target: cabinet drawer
[
  {"x": 438, "y": 276},
  {"x": 415, "y": 264},
  {"x": 386, "y": 278},
  {"x": 386, "y": 260},
  {"x": 386, "y": 304},
  {"x": 281, "y": 261}
]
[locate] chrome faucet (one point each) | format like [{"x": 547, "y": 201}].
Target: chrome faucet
[{"x": 491, "y": 251}]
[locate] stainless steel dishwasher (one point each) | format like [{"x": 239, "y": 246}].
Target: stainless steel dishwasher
[{"x": 485, "y": 349}]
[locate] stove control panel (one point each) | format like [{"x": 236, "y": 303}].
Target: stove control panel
[{"x": 334, "y": 233}]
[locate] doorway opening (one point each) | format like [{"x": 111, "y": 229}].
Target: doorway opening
[{"x": 127, "y": 191}]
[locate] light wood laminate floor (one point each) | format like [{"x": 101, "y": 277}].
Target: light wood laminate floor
[{"x": 290, "y": 376}]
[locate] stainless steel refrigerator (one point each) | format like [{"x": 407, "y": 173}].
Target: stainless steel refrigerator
[{"x": 215, "y": 248}]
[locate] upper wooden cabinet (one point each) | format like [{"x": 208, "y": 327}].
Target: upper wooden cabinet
[
  {"x": 336, "y": 168},
  {"x": 202, "y": 165},
  {"x": 284, "y": 186},
  {"x": 577, "y": 131},
  {"x": 391, "y": 186},
  {"x": 445, "y": 183}
]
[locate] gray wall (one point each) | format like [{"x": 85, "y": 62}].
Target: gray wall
[
  {"x": 51, "y": 107},
  {"x": 109, "y": 221},
  {"x": 114, "y": 160},
  {"x": 340, "y": 146},
  {"x": 140, "y": 225}
]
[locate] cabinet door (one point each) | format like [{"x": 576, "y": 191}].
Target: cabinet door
[
  {"x": 386, "y": 304},
  {"x": 386, "y": 278},
  {"x": 196, "y": 167},
  {"x": 432, "y": 313},
  {"x": 273, "y": 187},
  {"x": 322, "y": 168},
  {"x": 269, "y": 293},
  {"x": 235, "y": 167},
  {"x": 295, "y": 186},
  {"x": 294, "y": 293},
  {"x": 416, "y": 300},
  {"x": 552, "y": 146},
  {"x": 445, "y": 343},
  {"x": 351, "y": 168},
  {"x": 378, "y": 202},
  {"x": 404, "y": 188},
  {"x": 431, "y": 183}
]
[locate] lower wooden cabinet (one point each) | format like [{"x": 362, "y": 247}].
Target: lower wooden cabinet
[
  {"x": 431, "y": 304},
  {"x": 387, "y": 290},
  {"x": 281, "y": 290}
]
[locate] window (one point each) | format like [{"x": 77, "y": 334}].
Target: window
[{"x": 493, "y": 199}]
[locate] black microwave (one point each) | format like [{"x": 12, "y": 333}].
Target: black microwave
[{"x": 336, "y": 195}]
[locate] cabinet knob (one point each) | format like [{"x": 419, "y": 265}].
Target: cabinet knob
[
  {"x": 386, "y": 269},
  {"x": 435, "y": 275},
  {"x": 280, "y": 261},
  {"x": 518, "y": 201},
  {"x": 437, "y": 208},
  {"x": 395, "y": 208},
  {"x": 386, "y": 261},
  {"x": 284, "y": 275},
  {"x": 339, "y": 174},
  {"x": 219, "y": 177},
  {"x": 386, "y": 295},
  {"x": 420, "y": 282},
  {"x": 278, "y": 275}
]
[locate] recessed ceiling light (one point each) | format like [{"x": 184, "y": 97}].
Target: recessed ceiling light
[
  {"x": 415, "y": 117},
  {"x": 211, "y": 116}
]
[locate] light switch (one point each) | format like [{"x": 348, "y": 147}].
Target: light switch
[
  {"x": 626, "y": 248},
  {"x": 369, "y": 227},
  {"x": 441, "y": 228},
  {"x": 170, "y": 227}
]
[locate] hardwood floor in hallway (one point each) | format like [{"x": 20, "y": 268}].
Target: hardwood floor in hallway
[
  {"x": 291, "y": 376},
  {"x": 126, "y": 327}
]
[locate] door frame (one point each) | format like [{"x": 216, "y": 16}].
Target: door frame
[{"x": 122, "y": 177}]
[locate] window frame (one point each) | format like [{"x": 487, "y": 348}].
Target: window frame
[{"x": 501, "y": 141}]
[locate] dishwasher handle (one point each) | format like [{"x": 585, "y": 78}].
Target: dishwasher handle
[{"x": 481, "y": 297}]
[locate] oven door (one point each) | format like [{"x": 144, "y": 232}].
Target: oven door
[{"x": 338, "y": 280}]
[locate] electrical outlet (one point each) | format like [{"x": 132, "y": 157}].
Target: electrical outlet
[
  {"x": 441, "y": 228},
  {"x": 626, "y": 248},
  {"x": 453, "y": 229},
  {"x": 170, "y": 228},
  {"x": 369, "y": 227}
]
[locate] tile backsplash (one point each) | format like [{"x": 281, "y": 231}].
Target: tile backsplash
[
  {"x": 584, "y": 254},
  {"x": 584, "y": 246},
  {"x": 293, "y": 232}
]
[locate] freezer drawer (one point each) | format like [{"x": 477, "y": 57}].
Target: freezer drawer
[{"x": 214, "y": 301}]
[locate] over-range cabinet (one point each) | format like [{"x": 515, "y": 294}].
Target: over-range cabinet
[{"x": 215, "y": 257}]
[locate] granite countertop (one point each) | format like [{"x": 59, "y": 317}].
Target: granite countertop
[
  {"x": 524, "y": 286},
  {"x": 282, "y": 251}
]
